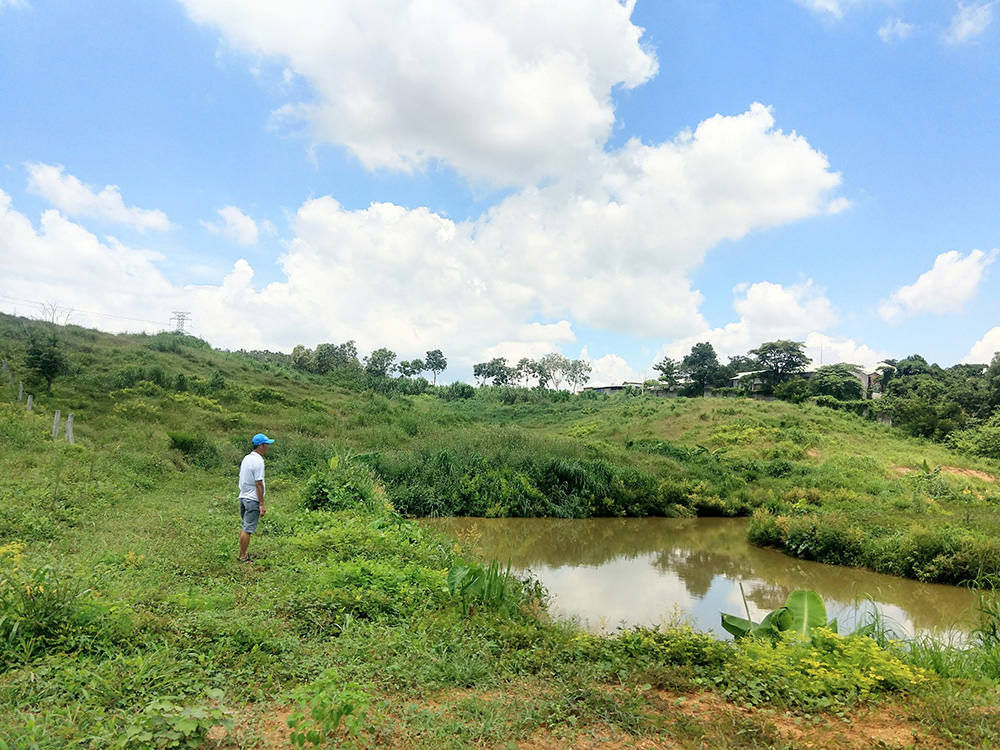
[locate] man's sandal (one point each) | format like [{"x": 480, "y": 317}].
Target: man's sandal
[{"x": 244, "y": 559}]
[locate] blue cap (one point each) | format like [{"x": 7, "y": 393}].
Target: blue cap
[{"x": 260, "y": 438}]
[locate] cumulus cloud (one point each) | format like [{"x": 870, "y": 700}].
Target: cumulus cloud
[
  {"x": 611, "y": 369},
  {"x": 611, "y": 247},
  {"x": 895, "y": 29},
  {"x": 768, "y": 312},
  {"x": 946, "y": 288},
  {"x": 237, "y": 226},
  {"x": 63, "y": 261},
  {"x": 969, "y": 22},
  {"x": 503, "y": 92},
  {"x": 73, "y": 198},
  {"x": 985, "y": 349},
  {"x": 828, "y": 350}
]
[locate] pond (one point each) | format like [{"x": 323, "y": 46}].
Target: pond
[{"x": 607, "y": 572}]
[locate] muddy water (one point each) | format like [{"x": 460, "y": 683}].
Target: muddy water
[{"x": 608, "y": 572}]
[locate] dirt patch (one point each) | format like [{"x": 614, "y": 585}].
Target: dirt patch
[
  {"x": 812, "y": 452},
  {"x": 953, "y": 470},
  {"x": 968, "y": 473}
]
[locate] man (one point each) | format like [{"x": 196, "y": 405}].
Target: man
[{"x": 252, "y": 491}]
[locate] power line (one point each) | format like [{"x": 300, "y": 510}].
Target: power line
[{"x": 85, "y": 312}]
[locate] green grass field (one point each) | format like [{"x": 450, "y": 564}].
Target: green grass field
[{"x": 126, "y": 621}]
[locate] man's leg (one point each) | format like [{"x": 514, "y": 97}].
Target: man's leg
[{"x": 244, "y": 544}]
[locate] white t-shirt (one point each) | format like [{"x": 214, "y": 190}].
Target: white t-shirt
[{"x": 251, "y": 471}]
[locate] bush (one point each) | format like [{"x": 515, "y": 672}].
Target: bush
[
  {"x": 346, "y": 482},
  {"x": 197, "y": 447},
  {"x": 456, "y": 392},
  {"x": 41, "y": 609}
]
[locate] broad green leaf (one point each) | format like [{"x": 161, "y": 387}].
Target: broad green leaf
[
  {"x": 776, "y": 621},
  {"x": 808, "y": 611},
  {"x": 738, "y": 627}
]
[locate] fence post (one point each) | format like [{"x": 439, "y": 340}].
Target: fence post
[
  {"x": 69, "y": 429},
  {"x": 55, "y": 425},
  {"x": 31, "y": 400},
  {"x": 20, "y": 390}
]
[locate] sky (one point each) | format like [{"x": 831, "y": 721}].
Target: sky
[{"x": 615, "y": 181}]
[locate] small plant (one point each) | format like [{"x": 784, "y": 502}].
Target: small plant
[
  {"x": 329, "y": 714},
  {"x": 347, "y": 481},
  {"x": 489, "y": 586},
  {"x": 802, "y": 613},
  {"x": 165, "y": 725}
]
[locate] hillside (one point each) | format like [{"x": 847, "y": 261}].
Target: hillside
[{"x": 123, "y": 614}]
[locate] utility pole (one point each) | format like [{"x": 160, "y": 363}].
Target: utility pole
[{"x": 180, "y": 319}]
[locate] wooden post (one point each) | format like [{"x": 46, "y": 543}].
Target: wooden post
[
  {"x": 31, "y": 400},
  {"x": 55, "y": 425},
  {"x": 20, "y": 390},
  {"x": 69, "y": 429}
]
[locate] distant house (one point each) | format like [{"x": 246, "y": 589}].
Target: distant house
[
  {"x": 633, "y": 386},
  {"x": 871, "y": 379}
]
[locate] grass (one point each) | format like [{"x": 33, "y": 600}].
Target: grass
[{"x": 121, "y": 605}]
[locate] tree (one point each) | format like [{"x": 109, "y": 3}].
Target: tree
[
  {"x": 779, "y": 360},
  {"x": 841, "y": 381},
  {"x": 701, "y": 366},
  {"x": 525, "y": 369},
  {"x": 380, "y": 362},
  {"x": 46, "y": 358},
  {"x": 553, "y": 366},
  {"x": 741, "y": 363},
  {"x": 302, "y": 358},
  {"x": 578, "y": 373},
  {"x": 669, "y": 372},
  {"x": 411, "y": 368},
  {"x": 435, "y": 362},
  {"x": 496, "y": 370}
]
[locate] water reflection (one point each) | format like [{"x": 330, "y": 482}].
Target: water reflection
[{"x": 611, "y": 571}]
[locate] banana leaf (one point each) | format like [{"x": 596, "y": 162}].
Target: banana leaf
[{"x": 807, "y": 611}]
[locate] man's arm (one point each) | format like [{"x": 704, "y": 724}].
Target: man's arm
[{"x": 260, "y": 495}]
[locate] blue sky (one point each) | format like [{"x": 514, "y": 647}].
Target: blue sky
[{"x": 612, "y": 181}]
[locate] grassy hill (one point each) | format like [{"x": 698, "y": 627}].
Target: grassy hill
[{"x": 125, "y": 618}]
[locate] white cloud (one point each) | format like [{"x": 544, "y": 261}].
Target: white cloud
[
  {"x": 611, "y": 369},
  {"x": 831, "y": 8},
  {"x": 72, "y": 197},
  {"x": 504, "y": 92},
  {"x": 946, "y": 288},
  {"x": 895, "y": 29},
  {"x": 828, "y": 350},
  {"x": 969, "y": 22},
  {"x": 611, "y": 247},
  {"x": 768, "y": 312},
  {"x": 237, "y": 226},
  {"x": 985, "y": 349},
  {"x": 63, "y": 261}
]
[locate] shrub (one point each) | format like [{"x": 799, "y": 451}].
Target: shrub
[
  {"x": 346, "y": 482},
  {"x": 197, "y": 447}
]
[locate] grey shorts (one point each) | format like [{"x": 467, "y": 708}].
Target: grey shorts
[{"x": 249, "y": 514}]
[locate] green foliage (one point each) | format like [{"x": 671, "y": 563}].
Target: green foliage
[
  {"x": 165, "y": 724},
  {"x": 41, "y": 609},
  {"x": 347, "y": 481},
  {"x": 197, "y": 447},
  {"x": 329, "y": 713},
  {"x": 490, "y": 586},
  {"x": 824, "y": 672},
  {"x": 802, "y": 613},
  {"x": 46, "y": 357}
]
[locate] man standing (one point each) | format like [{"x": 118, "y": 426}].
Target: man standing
[{"x": 252, "y": 491}]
